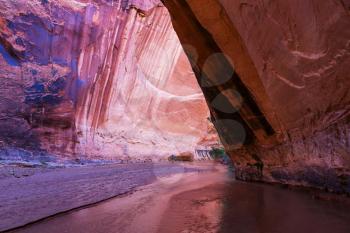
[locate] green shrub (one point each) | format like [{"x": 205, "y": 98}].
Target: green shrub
[{"x": 218, "y": 153}]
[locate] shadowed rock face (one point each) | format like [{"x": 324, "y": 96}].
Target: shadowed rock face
[
  {"x": 95, "y": 79},
  {"x": 291, "y": 63}
]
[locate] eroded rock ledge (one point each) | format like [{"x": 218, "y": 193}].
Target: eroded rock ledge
[{"x": 291, "y": 62}]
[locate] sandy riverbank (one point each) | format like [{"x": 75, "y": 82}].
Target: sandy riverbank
[
  {"x": 140, "y": 211},
  {"x": 30, "y": 194}
]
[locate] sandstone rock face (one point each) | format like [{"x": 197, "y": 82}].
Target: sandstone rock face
[
  {"x": 301, "y": 50},
  {"x": 108, "y": 79},
  {"x": 291, "y": 63},
  {"x": 95, "y": 79}
]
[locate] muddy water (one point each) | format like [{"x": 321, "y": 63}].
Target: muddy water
[
  {"x": 253, "y": 208},
  {"x": 200, "y": 203}
]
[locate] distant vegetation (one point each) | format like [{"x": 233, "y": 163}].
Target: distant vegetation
[{"x": 219, "y": 154}]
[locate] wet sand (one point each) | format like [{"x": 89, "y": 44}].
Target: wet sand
[
  {"x": 204, "y": 202},
  {"x": 141, "y": 211},
  {"x": 30, "y": 194}
]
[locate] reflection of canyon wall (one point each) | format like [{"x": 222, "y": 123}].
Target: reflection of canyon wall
[
  {"x": 97, "y": 79},
  {"x": 292, "y": 63}
]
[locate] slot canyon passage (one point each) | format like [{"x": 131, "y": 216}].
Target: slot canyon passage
[{"x": 174, "y": 116}]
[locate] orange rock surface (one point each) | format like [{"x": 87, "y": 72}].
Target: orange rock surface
[{"x": 96, "y": 79}]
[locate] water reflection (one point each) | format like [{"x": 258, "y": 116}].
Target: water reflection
[
  {"x": 261, "y": 208},
  {"x": 253, "y": 208}
]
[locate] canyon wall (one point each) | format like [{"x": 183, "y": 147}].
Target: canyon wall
[
  {"x": 96, "y": 79},
  {"x": 281, "y": 71},
  {"x": 107, "y": 79}
]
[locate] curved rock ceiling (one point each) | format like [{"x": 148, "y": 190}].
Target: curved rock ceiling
[{"x": 291, "y": 63}]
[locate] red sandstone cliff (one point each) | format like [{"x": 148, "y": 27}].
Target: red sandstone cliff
[{"x": 95, "y": 79}]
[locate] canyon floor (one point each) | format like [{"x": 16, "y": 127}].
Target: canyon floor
[
  {"x": 29, "y": 194},
  {"x": 197, "y": 198}
]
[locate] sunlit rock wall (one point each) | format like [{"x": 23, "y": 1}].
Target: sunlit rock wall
[{"x": 95, "y": 79}]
